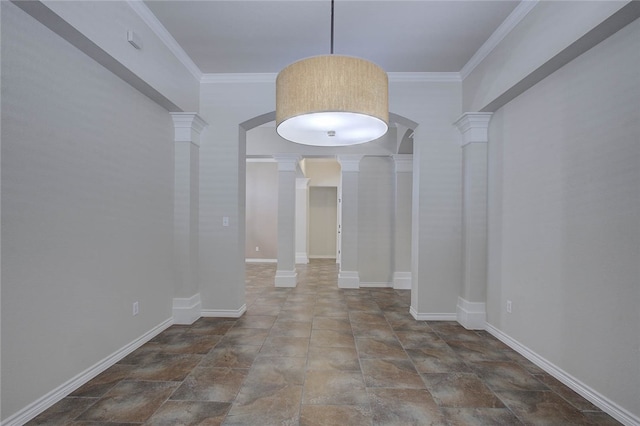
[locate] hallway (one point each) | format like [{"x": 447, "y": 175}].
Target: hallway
[{"x": 319, "y": 355}]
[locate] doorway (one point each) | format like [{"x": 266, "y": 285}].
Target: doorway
[{"x": 323, "y": 222}]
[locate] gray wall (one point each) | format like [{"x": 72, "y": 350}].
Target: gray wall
[
  {"x": 564, "y": 240},
  {"x": 262, "y": 210},
  {"x": 87, "y": 211},
  {"x": 323, "y": 221}
]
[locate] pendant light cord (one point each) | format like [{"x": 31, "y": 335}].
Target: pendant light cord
[{"x": 332, "y": 27}]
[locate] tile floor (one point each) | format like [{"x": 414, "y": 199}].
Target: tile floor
[{"x": 318, "y": 355}]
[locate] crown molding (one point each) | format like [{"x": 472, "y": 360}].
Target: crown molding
[
  {"x": 514, "y": 18},
  {"x": 156, "y": 26}
]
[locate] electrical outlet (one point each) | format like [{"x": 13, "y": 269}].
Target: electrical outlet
[
  {"x": 136, "y": 308},
  {"x": 225, "y": 221},
  {"x": 509, "y": 306},
  {"x": 257, "y": 248}
]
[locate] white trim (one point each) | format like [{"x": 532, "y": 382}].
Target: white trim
[
  {"x": 322, "y": 256},
  {"x": 41, "y": 404},
  {"x": 376, "y": 285},
  {"x": 286, "y": 278},
  {"x": 605, "y": 404},
  {"x": 348, "y": 279},
  {"x": 186, "y": 310},
  {"x": 224, "y": 313},
  {"x": 471, "y": 315},
  {"x": 301, "y": 257},
  {"x": 514, "y": 18},
  {"x": 261, "y": 160},
  {"x": 252, "y": 260},
  {"x": 156, "y": 26},
  {"x": 424, "y": 77},
  {"x": 402, "y": 280},
  {"x": 432, "y": 316}
]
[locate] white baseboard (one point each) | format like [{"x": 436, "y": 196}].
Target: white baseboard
[
  {"x": 605, "y": 404},
  {"x": 348, "y": 279},
  {"x": 376, "y": 285},
  {"x": 432, "y": 316},
  {"x": 286, "y": 278},
  {"x": 471, "y": 315},
  {"x": 186, "y": 310},
  {"x": 224, "y": 313},
  {"x": 252, "y": 260},
  {"x": 302, "y": 258},
  {"x": 322, "y": 256},
  {"x": 35, "y": 408},
  {"x": 402, "y": 280}
]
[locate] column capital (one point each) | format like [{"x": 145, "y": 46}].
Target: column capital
[
  {"x": 287, "y": 162},
  {"x": 474, "y": 127},
  {"x": 302, "y": 183},
  {"x": 350, "y": 163},
  {"x": 188, "y": 126},
  {"x": 403, "y": 163}
]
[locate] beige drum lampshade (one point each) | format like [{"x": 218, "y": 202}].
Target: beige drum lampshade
[{"x": 332, "y": 100}]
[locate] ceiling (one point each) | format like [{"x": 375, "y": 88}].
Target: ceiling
[{"x": 264, "y": 36}]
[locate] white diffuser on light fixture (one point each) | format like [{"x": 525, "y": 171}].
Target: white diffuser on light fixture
[{"x": 332, "y": 100}]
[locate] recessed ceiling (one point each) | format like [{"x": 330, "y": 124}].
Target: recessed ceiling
[{"x": 264, "y": 36}]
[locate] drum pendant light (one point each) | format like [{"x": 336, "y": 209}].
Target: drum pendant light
[{"x": 332, "y": 100}]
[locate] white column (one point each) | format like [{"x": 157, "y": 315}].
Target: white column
[
  {"x": 471, "y": 309},
  {"x": 402, "y": 221},
  {"x": 302, "y": 220},
  {"x": 348, "y": 276},
  {"x": 186, "y": 303},
  {"x": 286, "y": 275}
]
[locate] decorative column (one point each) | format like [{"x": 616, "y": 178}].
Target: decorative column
[
  {"x": 402, "y": 221},
  {"x": 302, "y": 220},
  {"x": 471, "y": 309},
  {"x": 348, "y": 276},
  {"x": 286, "y": 275},
  {"x": 186, "y": 303}
]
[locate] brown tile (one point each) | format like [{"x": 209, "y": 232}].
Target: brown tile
[
  {"x": 379, "y": 348},
  {"x": 601, "y": 419},
  {"x": 291, "y": 328},
  {"x": 417, "y": 339},
  {"x": 375, "y": 330},
  {"x": 63, "y": 412},
  {"x": 269, "y": 375},
  {"x": 215, "y": 326},
  {"x": 211, "y": 384},
  {"x": 328, "y": 323},
  {"x": 285, "y": 346},
  {"x": 570, "y": 396},
  {"x": 452, "y": 331},
  {"x": 331, "y": 415},
  {"x": 332, "y": 338},
  {"x": 438, "y": 358},
  {"x": 334, "y": 388},
  {"x": 405, "y": 322},
  {"x": 341, "y": 359},
  {"x": 542, "y": 408},
  {"x": 391, "y": 373},
  {"x": 255, "y": 321},
  {"x": 480, "y": 416},
  {"x": 279, "y": 407},
  {"x": 185, "y": 343},
  {"x": 460, "y": 390},
  {"x": 166, "y": 367},
  {"x": 230, "y": 356},
  {"x": 104, "y": 381},
  {"x": 507, "y": 376},
  {"x": 190, "y": 413},
  {"x": 130, "y": 401},
  {"x": 244, "y": 337},
  {"x": 473, "y": 352},
  {"x": 404, "y": 407}
]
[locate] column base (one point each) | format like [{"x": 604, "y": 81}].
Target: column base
[
  {"x": 286, "y": 278},
  {"x": 348, "y": 279},
  {"x": 186, "y": 310},
  {"x": 471, "y": 315},
  {"x": 402, "y": 280},
  {"x": 302, "y": 257}
]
